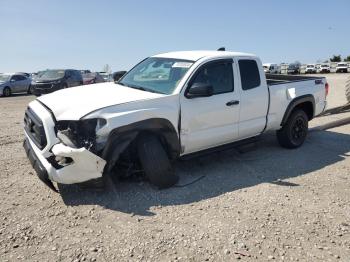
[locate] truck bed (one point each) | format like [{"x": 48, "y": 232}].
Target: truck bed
[
  {"x": 284, "y": 88},
  {"x": 273, "y": 79}
]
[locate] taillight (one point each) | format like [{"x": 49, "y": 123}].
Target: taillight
[{"x": 326, "y": 87}]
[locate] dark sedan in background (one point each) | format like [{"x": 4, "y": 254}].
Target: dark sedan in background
[{"x": 53, "y": 80}]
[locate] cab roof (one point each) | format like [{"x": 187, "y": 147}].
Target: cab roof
[{"x": 196, "y": 55}]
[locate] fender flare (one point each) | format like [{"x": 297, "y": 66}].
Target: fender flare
[
  {"x": 120, "y": 138},
  {"x": 294, "y": 103}
]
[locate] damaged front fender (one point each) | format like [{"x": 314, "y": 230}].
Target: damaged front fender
[{"x": 83, "y": 167}]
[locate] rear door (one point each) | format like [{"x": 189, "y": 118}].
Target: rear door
[
  {"x": 69, "y": 78},
  {"x": 211, "y": 121},
  {"x": 254, "y": 98},
  {"x": 76, "y": 77},
  {"x": 22, "y": 83}
]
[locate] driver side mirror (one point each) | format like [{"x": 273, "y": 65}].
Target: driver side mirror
[
  {"x": 13, "y": 80},
  {"x": 199, "y": 90}
]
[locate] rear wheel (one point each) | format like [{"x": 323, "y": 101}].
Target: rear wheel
[
  {"x": 6, "y": 92},
  {"x": 294, "y": 132},
  {"x": 155, "y": 162}
]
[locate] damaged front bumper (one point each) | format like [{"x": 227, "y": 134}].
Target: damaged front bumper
[
  {"x": 58, "y": 162},
  {"x": 84, "y": 166}
]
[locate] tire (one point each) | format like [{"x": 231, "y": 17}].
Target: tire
[
  {"x": 6, "y": 92},
  {"x": 155, "y": 162},
  {"x": 294, "y": 132},
  {"x": 347, "y": 90}
]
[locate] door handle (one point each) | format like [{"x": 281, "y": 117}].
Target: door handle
[{"x": 232, "y": 103}]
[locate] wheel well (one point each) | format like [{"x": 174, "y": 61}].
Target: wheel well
[
  {"x": 124, "y": 138},
  {"x": 307, "y": 107},
  {"x": 305, "y": 103}
]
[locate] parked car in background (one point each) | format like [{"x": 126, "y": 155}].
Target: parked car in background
[
  {"x": 14, "y": 83},
  {"x": 117, "y": 75},
  {"x": 106, "y": 76},
  {"x": 310, "y": 69},
  {"x": 92, "y": 78},
  {"x": 342, "y": 68},
  {"x": 53, "y": 80},
  {"x": 85, "y": 71},
  {"x": 325, "y": 68},
  {"x": 271, "y": 68},
  {"x": 293, "y": 69}
]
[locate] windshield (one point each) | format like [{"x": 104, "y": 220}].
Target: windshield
[
  {"x": 52, "y": 74},
  {"x": 310, "y": 66},
  {"x": 342, "y": 65},
  {"x": 159, "y": 75},
  {"x": 324, "y": 65},
  {"x": 4, "y": 78}
]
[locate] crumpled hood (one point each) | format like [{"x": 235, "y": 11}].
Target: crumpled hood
[{"x": 76, "y": 102}]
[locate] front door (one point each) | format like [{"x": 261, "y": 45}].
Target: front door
[{"x": 211, "y": 121}]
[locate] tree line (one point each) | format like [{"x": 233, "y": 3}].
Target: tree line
[{"x": 337, "y": 58}]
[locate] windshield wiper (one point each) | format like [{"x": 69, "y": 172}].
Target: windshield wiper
[{"x": 140, "y": 88}]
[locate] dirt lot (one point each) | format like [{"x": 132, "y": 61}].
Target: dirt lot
[{"x": 265, "y": 204}]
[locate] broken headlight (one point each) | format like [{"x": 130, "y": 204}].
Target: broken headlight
[{"x": 81, "y": 133}]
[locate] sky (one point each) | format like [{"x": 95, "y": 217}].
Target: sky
[{"x": 41, "y": 34}]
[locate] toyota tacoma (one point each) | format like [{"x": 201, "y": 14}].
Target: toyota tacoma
[{"x": 167, "y": 107}]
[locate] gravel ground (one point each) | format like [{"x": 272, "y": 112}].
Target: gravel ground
[{"x": 267, "y": 203}]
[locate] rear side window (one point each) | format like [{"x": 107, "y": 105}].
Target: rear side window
[
  {"x": 250, "y": 76},
  {"x": 20, "y": 78},
  {"x": 77, "y": 74},
  {"x": 219, "y": 75}
]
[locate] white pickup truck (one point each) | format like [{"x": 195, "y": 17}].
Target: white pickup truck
[{"x": 167, "y": 107}]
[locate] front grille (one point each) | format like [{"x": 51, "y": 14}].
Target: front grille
[
  {"x": 34, "y": 128},
  {"x": 43, "y": 86}
]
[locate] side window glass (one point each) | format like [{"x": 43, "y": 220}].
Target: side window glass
[
  {"x": 20, "y": 78},
  {"x": 249, "y": 72},
  {"x": 219, "y": 75},
  {"x": 14, "y": 78}
]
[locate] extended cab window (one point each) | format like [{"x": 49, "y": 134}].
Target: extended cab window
[
  {"x": 250, "y": 76},
  {"x": 219, "y": 75}
]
